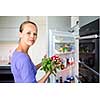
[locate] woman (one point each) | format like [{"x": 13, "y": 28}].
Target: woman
[{"x": 22, "y": 67}]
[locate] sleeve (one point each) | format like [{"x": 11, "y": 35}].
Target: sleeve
[{"x": 26, "y": 71}]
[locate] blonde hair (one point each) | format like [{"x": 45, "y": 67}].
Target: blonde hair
[{"x": 27, "y": 22}]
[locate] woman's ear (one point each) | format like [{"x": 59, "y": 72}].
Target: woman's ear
[{"x": 20, "y": 35}]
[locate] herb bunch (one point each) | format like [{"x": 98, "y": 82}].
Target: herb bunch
[{"x": 51, "y": 64}]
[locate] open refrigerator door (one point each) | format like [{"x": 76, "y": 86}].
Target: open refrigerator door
[{"x": 65, "y": 45}]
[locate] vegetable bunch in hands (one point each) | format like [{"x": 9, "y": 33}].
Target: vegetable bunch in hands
[{"x": 51, "y": 64}]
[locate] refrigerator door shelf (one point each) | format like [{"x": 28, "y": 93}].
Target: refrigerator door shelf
[{"x": 66, "y": 72}]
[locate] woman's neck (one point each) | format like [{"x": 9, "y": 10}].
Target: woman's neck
[{"x": 23, "y": 48}]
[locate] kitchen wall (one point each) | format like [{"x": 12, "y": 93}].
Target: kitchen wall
[{"x": 59, "y": 23}]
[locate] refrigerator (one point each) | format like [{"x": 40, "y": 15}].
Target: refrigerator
[{"x": 66, "y": 45}]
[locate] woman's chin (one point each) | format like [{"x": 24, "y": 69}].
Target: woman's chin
[{"x": 30, "y": 44}]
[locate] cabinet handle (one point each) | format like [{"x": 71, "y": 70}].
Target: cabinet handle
[{"x": 88, "y": 37}]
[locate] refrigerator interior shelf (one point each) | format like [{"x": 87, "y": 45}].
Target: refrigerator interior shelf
[
  {"x": 63, "y": 38},
  {"x": 64, "y": 53},
  {"x": 68, "y": 42},
  {"x": 66, "y": 72}
]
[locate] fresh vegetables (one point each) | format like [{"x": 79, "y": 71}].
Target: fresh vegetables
[{"x": 51, "y": 64}]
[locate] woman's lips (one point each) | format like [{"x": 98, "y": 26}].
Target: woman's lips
[{"x": 32, "y": 41}]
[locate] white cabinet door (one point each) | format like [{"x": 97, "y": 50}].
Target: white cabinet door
[
  {"x": 9, "y": 26},
  {"x": 11, "y": 21},
  {"x": 7, "y": 35}
]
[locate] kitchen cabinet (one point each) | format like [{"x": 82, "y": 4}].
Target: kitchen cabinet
[
  {"x": 89, "y": 52},
  {"x": 83, "y": 20},
  {"x": 8, "y": 35},
  {"x": 9, "y": 27},
  {"x": 5, "y": 74},
  {"x": 90, "y": 28},
  {"x": 11, "y": 21}
]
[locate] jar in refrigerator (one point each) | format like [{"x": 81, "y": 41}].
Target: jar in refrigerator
[
  {"x": 61, "y": 49},
  {"x": 65, "y": 48},
  {"x": 70, "y": 60},
  {"x": 64, "y": 62},
  {"x": 61, "y": 80},
  {"x": 70, "y": 79},
  {"x": 57, "y": 80},
  {"x": 62, "y": 67},
  {"x": 72, "y": 48}
]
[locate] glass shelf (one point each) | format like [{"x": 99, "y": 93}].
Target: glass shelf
[
  {"x": 62, "y": 39},
  {"x": 64, "y": 53}
]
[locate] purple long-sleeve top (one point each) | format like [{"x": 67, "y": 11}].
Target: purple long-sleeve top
[{"x": 22, "y": 68}]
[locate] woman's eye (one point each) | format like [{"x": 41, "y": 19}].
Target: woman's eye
[
  {"x": 28, "y": 32},
  {"x": 35, "y": 34}
]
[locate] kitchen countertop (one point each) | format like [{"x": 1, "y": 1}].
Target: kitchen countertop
[{"x": 5, "y": 65}]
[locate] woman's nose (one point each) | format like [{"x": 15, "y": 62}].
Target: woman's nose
[{"x": 32, "y": 35}]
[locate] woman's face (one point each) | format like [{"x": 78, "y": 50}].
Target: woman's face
[{"x": 29, "y": 34}]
